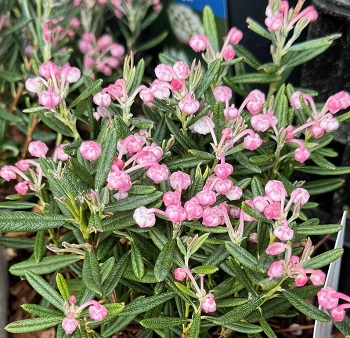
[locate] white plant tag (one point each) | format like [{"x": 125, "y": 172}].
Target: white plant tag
[{"x": 321, "y": 329}]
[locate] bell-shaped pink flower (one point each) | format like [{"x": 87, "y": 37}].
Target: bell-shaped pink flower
[
  {"x": 144, "y": 218},
  {"x": 119, "y": 180},
  {"x": 49, "y": 99},
  {"x": 179, "y": 180},
  {"x": 300, "y": 279},
  {"x": 211, "y": 217},
  {"x": 301, "y": 154},
  {"x": 33, "y": 84},
  {"x": 231, "y": 112},
  {"x": 164, "y": 72},
  {"x": 69, "y": 324},
  {"x": 318, "y": 277},
  {"x": 276, "y": 269},
  {"x": 7, "y": 173},
  {"x": 206, "y": 197},
  {"x": 223, "y": 170},
  {"x": 181, "y": 70},
  {"x": 208, "y": 304},
  {"x": 329, "y": 124},
  {"x": 160, "y": 89},
  {"x": 274, "y": 22},
  {"x": 90, "y": 150},
  {"x": 228, "y": 53},
  {"x": 222, "y": 93},
  {"x": 327, "y": 298},
  {"x": 38, "y": 149},
  {"x": 22, "y": 187},
  {"x": 175, "y": 213},
  {"x": 223, "y": 186},
  {"x": 60, "y": 154},
  {"x": 275, "y": 190},
  {"x": 171, "y": 198},
  {"x": 300, "y": 195},
  {"x": 284, "y": 232},
  {"x": 199, "y": 43},
  {"x": 158, "y": 173},
  {"x": 189, "y": 105},
  {"x": 272, "y": 211},
  {"x": 102, "y": 100},
  {"x": 98, "y": 312},
  {"x": 252, "y": 142},
  {"x": 48, "y": 69},
  {"x": 193, "y": 209},
  {"x": 180, "y": 274},
  {"x": 275, "y": 248},
  {"x": 234, "y": 194}
]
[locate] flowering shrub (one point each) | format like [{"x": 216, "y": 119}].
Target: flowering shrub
[{"x": 188, "y": 218}]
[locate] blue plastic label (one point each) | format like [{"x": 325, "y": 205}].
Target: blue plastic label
[{"x": 218, "y": 6}]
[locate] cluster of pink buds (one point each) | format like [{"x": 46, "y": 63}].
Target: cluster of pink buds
[
  {"x": 285, "y": 18},
  {"x": 206, "y": 300},
  {"x": 200, "y": 43},
  {"x": 140, "y": 155},
  {"x": 9, "y": 172},
  {"x": 329, "y": 298},
  {"x": 53, "y": 83},
  {"x": 121, "y": 7},
  {"x": 53, "y": 32},
  {"x": 97, "y": 313},
  {"x": 101, "y": 54},
  {"x": 292, "y": 266},
  {"x": 171, "y": 80}
]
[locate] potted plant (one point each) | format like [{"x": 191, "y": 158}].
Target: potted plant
[{"x": 167, "y": 205}]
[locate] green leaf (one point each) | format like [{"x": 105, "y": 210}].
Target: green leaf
[
  {"x": 202, "y": 155},
  {"x": 133, "y": 202},
  {"x": 318, "y": 187},
  {"x": 17, "y": 205},
  {"x": 17, "y": 242},
  {"x": 249, "y": 58},
  {"x": 209, "y": 78},
  {"x": 144, "y": 304},
  {"x": 22, "y": 221},
  {"x": 241, "y": 255},
  {"x": 186, "y": 162},
  {"x": 138, "y": 266},
  {"x": 139, "y": 72},
  {"x": 180, "y": 136},
  {"x": 257, "y": 188},
  {"x": 92, "y": 88},
  {"x": 324, "y": 259},
  {"x": 44, "y": 289},
  {"x": 305, "y": 307},
  {"x": 259, "y": 29},
  {"x": 198, "y": 243},
  {"x": 324, "y": 229},
  {"x": 33, "y": 324},
  {"x": 321, "y": 161},
  {"x": 153, "y": 42},
  {"x": 195, "y": 325},
  {"x": 141, "y": 123},
  {"x": 142, "y": 189},
  {"x": 119, "y": 221},
  {"x": 92, "y": 273},
  {"x": 244, "y": 161},
  {"x": 39, "y": 246},
  {"x": 266, "y": 327},
  {"x": 205, "y": 269},
  {"x": 240, "y": 312},
  {"x": 46, "y": 265},
  {"x": 323, "y": 172},
  {"x": 49, "y": 120},
  {"x": 244, "y": 328},
  {"x": 10, "y": 76},
  {"x": 185, "y": 290},
  {"x": 42, "y": 311},
  {"x": 254, "y": 213},
  {"x": 105, "y": 160},
  {"x": 62, "y": 287},
  {"x": 255, "y": 78},
  {"x": 281, "y": 110},
  {"x": 165, "y": 260},
  {"x": 210, "y": 29},
  {"x": 259, "y": 159},
  {"x": 315, "y": 43},
  {"x": 162, "y": 322},
  {"x": 121, "y": 128}
]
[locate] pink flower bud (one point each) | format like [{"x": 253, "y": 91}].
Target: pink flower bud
[
  {"x": 338, "y": 102},
  {"x": 22, "y": 187},
  {"x": 116, "y": 50},
  {"x": 199, "y": 43},
  {"x": 181, "y": 70},
  {"x": 208, "y": 304},
  {"x": 329, "y": 124},
  {"x": 98, "y": 312},
  {"x": 72, "y": 300},
  {"x": 158, "y": 173},
  {"x": 193, "y": 209},
  {"x": 73, "y": 74},
  {"x": 206, "y": 198},
  {"x": 252, "y": 142},
  {"x": 160, "y": 89},
  {"x": 171, "y": 198},
  {"x": 201, "y": 126},
  {"x": 274, "y": 23},
  {"x": 275, "y": 248},
  {"x": 144, "y": 218},
  {"x": 327, "y": 299},
  {"x": 295, "y": 100},
  {"x": 38, "y": 149},
  {"x": 259, "y": 203},
  {"x": 318, "y": 277},
  {"x": 228, "y": 53},
  {"x": 301, "y": 155},
  {"x": 23, "y": 165},
  {"x": 300, "y": 279},
  {"x": 231, "y": 113},
  {"x": 275, "y": 190},
  {"x": 146, "y": 95},
  {"x": 235, "y": 35},
  {"x": 155, "y": 149},
  {"x": 276, "y": 269},
  {"x": 272, "y": 211},
  {"x": 131, "y": 144},
  {"x": 245, "y": 216},
  {"x": 317, "y": 131},
  {"x": 7, "y": 173},
  {"x": 180, "y": 180},
  {"x": 118, "y": 180},
  {"x": 33, "y": 84},
  {"x": 189, "y": 105},
  {"x": 164, "y": 72},
  {"x": 294, "y": 260},
  {"x": 104, "y": 42},
  {"x": 211, "y": 217},
  {"x": 234, "y": 194},
  {"x": 180, "y": 274},
  {"x": 102, "y": 100},
  {"x": 177, "y": 84},
  {"x": 222, "y": 93},
  {"x": 47, "y": 69},
  {"x": 85, "y": 46},
  {"x": 338, "y": 314},
  {"x": 49, "y": 99},
  {"x": 69, "y": 324},
  {"x": 300, "y": 195},
  {"x": 223, "y": 170},
  {"x": 260, "y": 122},
  {"x": 223, "y": 186},
  {"x": 60, "y": 154},
  {"x": 74, "y": 23},
  {"x": 234, "y": 211},
  {"x": 90, "y": 150},
  {"x": 175, "y": 213},
  {"x": 284, "y": 232}
]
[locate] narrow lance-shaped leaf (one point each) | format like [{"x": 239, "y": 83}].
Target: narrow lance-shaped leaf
[
  {"x": 33, "y": 324},
  {"x": 62, "y": 287},
  {"x": 165, "y": 260},
  {"x": 162, "y": 322},
  {"x": 92, "y": 273},
  {"x": 137, "y": 264}
]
